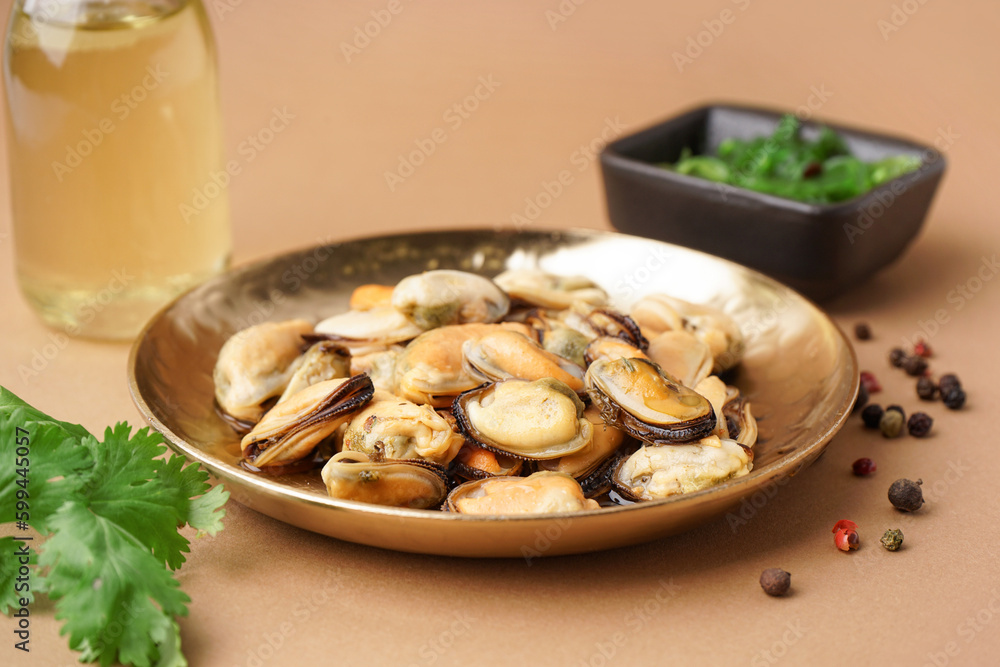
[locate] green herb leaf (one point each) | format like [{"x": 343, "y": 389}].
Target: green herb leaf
[
  {"x": 49, "y": 475},
  {"x": 9, "y": 566},
  {"x": 115, "y": 597},
  {"x": 112, "y": 510}
]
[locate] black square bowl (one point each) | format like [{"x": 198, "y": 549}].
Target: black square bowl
[{"x": 820, "y": 250}]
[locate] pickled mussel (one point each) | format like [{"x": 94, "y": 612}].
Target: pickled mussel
[
  {"x": 255, "y": 364},
  {"x": 325, "y": 360},
  {"x": 412, "y": 484},
  {"x": 592, "y": 465},
  {"x": 530, "y": 392},
  {"x": 507, "y": 354},
  {"x": 540, "y": 493},
  {"x": 438, "y": 298},
  {"x": 657, "y": 313},
  {"x": 290, "y": 431},
  {"x": 542, "y": 419},
  {"x": 661, "y": 471},
  {"x": 538, "y": 288},
  {"x": 432, "y": 368},
  {"x": 393, "y": 428},
  {"x": 637, "y": 396},
  {"x": 381, "y": 325}
]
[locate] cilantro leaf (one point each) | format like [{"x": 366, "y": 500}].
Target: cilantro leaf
[
  {"x": 206, "y": 511},
  {"x": 112, "y": 510},
  {"x": 10, "y": 402},
  {"x": 113, "y": 594},
  {"x": 125, "y": 488},
  {"x": 9, "y": 566},
  {"x": 47, "y": 477}
]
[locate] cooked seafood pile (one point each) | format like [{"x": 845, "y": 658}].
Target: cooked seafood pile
[{"x": 527, "y": 393}]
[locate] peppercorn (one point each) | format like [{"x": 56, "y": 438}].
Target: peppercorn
[
  {"x": 861, "y": 402},
  {"x": 919, "y": 424},
  {"x": 872, "y": 415},
  {"x": 922, "y": 349},
  {"x": 925, "y": 388},
  {"x": 947, "y": 381},
  {"x": 953, "y": 398},
  {"x": 905, "y": 495},
  {"x": 775, "y": 581},
  {"x": 862, "y": 331},
  {"x": 863, "y": 467},
  {"x": 892, "y": 539},
  {"x": 897, "y": 408},
  {"x": 915, "y": 365},
  {"x": 869, "y": 382},
  {"x": 896, "y": 357},
  {"x": 846, "y": 535},
  {"x": 891, "y": 424}
]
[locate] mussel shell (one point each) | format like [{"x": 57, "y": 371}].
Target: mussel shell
[
  {"x": 479, "y": 423},
  {"x": 637, "y": 396},
  {"x": 610, "y": 348},
  {"x": 608, "y": 322},
  {"x": 412, "y": 484},
  {"x": 291, "y": 430},
  {"x": 740, "y": 421}
]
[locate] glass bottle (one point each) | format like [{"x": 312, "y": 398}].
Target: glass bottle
[{"x": 115, "y": 153}]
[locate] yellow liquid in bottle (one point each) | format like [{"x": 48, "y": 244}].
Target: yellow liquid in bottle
[{"x": 114, "y": 138}]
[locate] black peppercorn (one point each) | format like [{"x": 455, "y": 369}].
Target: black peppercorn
[
  {"x": 872, "y": 415},
  {"x": 926, "y": 389},
  {"x": 862, "y": 331},
  {"x": 905, "y": 495},
  {"x": 897, "y": 356},
  {"x": 775, "y": 581},
  {"x": 915, "y": 365},
  {"x": 919, "y": 424},
  {"x": 948, "y": 381},
  {"x": 892, "y": 539},
  {"x": 953, "y": 398}
]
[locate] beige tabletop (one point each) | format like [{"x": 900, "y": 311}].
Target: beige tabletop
[{"x": 554, "y": 79}]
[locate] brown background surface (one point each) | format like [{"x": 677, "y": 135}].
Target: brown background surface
[{"x": 266, "y": 593}]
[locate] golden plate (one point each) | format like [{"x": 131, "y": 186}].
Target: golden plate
[{"x": 800, "y": 373}]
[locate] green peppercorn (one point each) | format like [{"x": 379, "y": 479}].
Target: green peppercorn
[
  {"x": 891, "y": 423},
  {"x": 905, "y": 495},
  {"x": 892, "y": 539}
]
